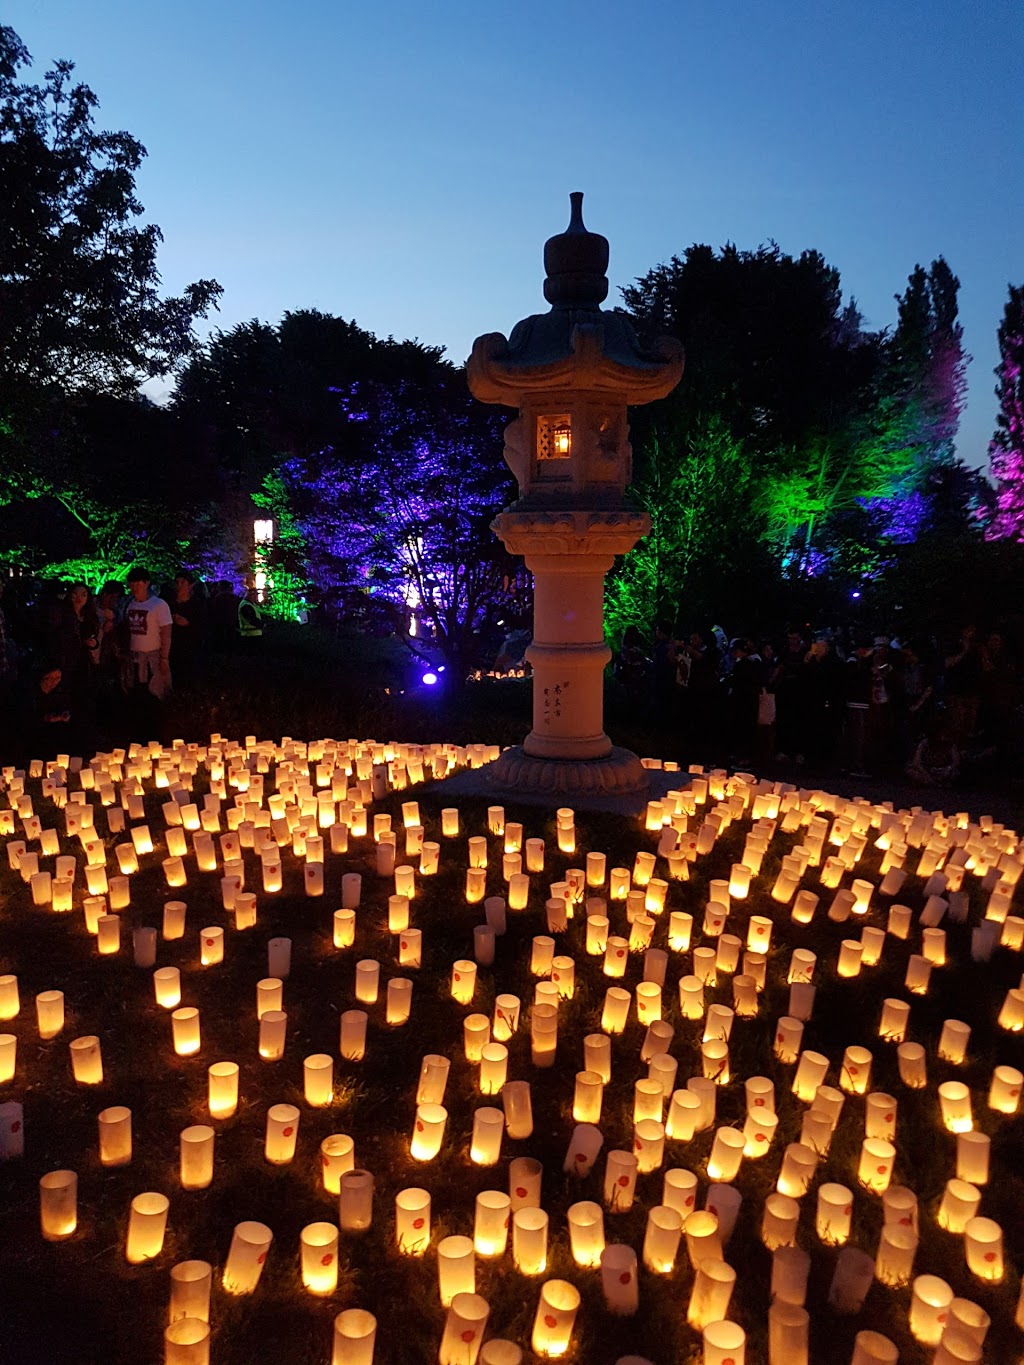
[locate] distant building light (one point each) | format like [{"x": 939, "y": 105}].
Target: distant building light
[
  {"x": 429, "y": 679},
  {"x": 855, "y": 594},
  {"x": 263, "y": 531}
]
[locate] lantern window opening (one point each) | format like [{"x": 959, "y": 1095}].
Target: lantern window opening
[
  {"x": 554, "y": 437},
  {"x": 263, "y": 531}
]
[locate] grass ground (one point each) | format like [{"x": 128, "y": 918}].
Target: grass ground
[{"x": 80, "y": 1301}]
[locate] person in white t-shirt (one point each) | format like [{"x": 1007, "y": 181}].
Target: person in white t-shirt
[{"x": 148, "y": 620}]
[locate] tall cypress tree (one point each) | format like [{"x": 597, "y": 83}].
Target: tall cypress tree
[{"x": 1006, "y": 449}]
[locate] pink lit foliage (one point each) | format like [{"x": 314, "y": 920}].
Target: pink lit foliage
[{"x": 1006, "y": 449}]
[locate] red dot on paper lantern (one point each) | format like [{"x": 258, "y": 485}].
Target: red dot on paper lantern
[
  {"x": 1014, "y": 1094},
  {"x": 326, "y": 1260},
  {"x": 990, "y": 1255},
  {"x": 853, "y": 1070},
  {"x": 625, "y": 1277},
  {"x": 418, "y": 1223},
  {"x": 759, "y": 1102},
  {"x": 456, "y": 978},
  {"x": 689, "y": 1200},
  {"x": 880, "y": 1170},
  {"x": 404, "y": 945},
  {"x": 942, "y": 1317},
  {"x": 638, "y": 1144},
  {"x": 287, "y": 1132},
  {"x": 419, "y": 1125},
  {"x": 779, "y": 1039},
  {"x": 760, "y": 1137},
  {"x": 580, "y": 1156},
  {"x": 210, "y": 942},
  {"x": 521, "y": 1190},
  {"x": 468, "y": 1334},
  {"x": 849, "y": 1210},
  {"x": 889, "y": 1118},
  {"x": 623, "y": 1180},
  {"x": 261, "y": 1258},
  {"x": 906, "y": 1222},
  {"x": 620, "y": 952},
  {"x": 506, "y": 1224},
  {"x": 550, "y": 1321}
]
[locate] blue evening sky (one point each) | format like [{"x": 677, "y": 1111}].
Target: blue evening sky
[{"x": 402, "y": 163}]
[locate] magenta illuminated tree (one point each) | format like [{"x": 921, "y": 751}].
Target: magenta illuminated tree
[{"x": 1006, "y": 449}]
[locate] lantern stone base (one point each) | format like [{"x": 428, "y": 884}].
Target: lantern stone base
[{"x": 618, "y": 773}]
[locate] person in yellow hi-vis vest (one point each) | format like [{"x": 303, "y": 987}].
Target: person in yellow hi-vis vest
[{"x": 250, "y": 618}]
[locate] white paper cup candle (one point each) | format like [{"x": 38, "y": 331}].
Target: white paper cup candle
[
  {"x": 518, "y": 1106},
  {"x": 972, "y": 1157},
  {"x": 115, "y": 1135},
  {"x": 337, "y": 1155},
  {"x": 147, "y": 1224},
  {"x": 433, "y": 1079},
  {"x": 250, "y": 1246},
  {"x": 620, "y": 1181},
  {"x": 196, "y": 1157},
  {"x": 894, "y": 1263},
  {"x": 456, "y": 1268},
  {"x": 1004, "y": 1091},
  {"x": 713, "y": 1284},
  {"x": 851, "y": 1280},
  {"x": 880, "y": 1116},
  {"x": 190, "y": 1291},
  {"x": 871, "y": 1348},
  {"x": 355, "y": 1334},
  {"x": 983, "y": 1239},
  {"x": 58, "y": 1205},
  {"x": 319, "y": 1258},
  {"x": 318, "y": 1079},
  {"x": 428, "y": 1131},
  {"x": 86, "y": 1060},
  {"x": 185, "y": 1030},
  {"x": 281, "y": 1134},
  {"x": 352, "y": 1043},
  {"x": 584, "y": 1145},
  {"x": 488, "y": 1130},
  {"x": 929, "y": 1308},
  {"x": 187, "y": 1342},
  {"x": 555, "y": 1318},
  {"x": 355, "y": 1201},
  {"x": 272, "y": 1035},
  {"x": 724, "y": 1342},
  {"x": 167, "y": 987},
  {"x": 412, "y": 1221}
]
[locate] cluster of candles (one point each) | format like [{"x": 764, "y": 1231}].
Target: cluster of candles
[{"x": 621, "y": 921}]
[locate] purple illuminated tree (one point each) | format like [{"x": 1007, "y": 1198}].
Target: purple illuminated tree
[
  {"x": 396, "y": 512},
  {"x": 1006, "y": 449}
]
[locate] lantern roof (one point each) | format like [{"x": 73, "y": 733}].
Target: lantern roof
[{"x": 576, "y": 345}]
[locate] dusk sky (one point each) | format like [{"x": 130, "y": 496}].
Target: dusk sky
[{"x": 402, "y": 163}]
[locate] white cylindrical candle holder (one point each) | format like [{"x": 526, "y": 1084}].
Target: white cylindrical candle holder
[
  {"x": 273, "y": 1032},
  {"x": 352, "y": 1043},
  {"x": 428, "y": 1131},
  {"x": 281, "y": 1134},
  {"x": 456, "y": 1268},
  {"x": 147, "y": 1225},
  {"x": 196, "y": 1157},
  {"x": 86, "y": 1060},
  {"x": 250, "y": 1245},
  {"x": 724, "y": 1343},
  {"x": 851, "y": 1280},
  {"x": 222, "y": 1089},
  {"x": 355, "y": 1335},
  {"x": 58, "y": 1205},
  {"x": 983, "y": 1240},
  {"x": 355, "y": 1201},
  {"x": 337, "y": 1156},
  {"x": 191, "y": 1282},
  {"x": 318, "y": 1243},
  {"x": 115, "y": 1135},
  {"x": 185, "y": 1031},
  {"x": 929, "y": 1308},
  {"x": 555, "y": 1318},
  {"x": 712, "y": 1290},
  {"x": 412, "y": 1221}
]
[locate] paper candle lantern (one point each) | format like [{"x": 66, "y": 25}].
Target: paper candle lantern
[
  {"x": 929, "y": 1308},
  {"x": 245, "y": 910},
  {"x": 196, "y": 1157},
  {"x": 147, "y": 1225},
  {"x": 648, "y": 1145},
  {"x": 488, "y": 1130},
  {"x": 712, "y": 1290},
  {"x": 790, "y": 1267},
  {"x": 318, "y": 1079},
  {"x": 456, "y": 1268},
  {"x": 337, "y": 1155},
  {"x": 620, "y": 1181},
  {"x": 319, "y": 1258},
  {"x": 955, "y": 1105},
  {"x": 185, "y": 1030},
  {"x": 518, "y": 1106},
  {"x": 969, "y": 1320},
  {"x": 530, "y": 1240},
  {"x": 724, "y": 1343},
  {"x": 585, "y": 1143},
  {"x": 810, "y": 1074},
  {"x": 86, "y": 1060},
  {"x": 524, "y": 1182},
  {"x": 834, "y": 1214},
  {"x": 463, "y": 1330},
  {"x": 167, "y": 987},
  {"x": 115, "y": 1135},
  {"x": 897, "y": 1247},
  {"x": 726, "y": 1154},
  {"x": 661, "y": 1239},
  {"x": 58, "y": 1205},
  {"x": 851, "y": 1280},
  {"x": 250, "y": 1246},
  {"x": 972, "y": 1157},
  {"x": 412, "y": 1221},
  {"x": 555, "y": 1318},
  {"x": 912, "y": 1065},
  {"x": 463, "y": 984},
  {"x": 353, "y": 1035},
  {"x": 871, "y": 1348},
  {"x": 355, "y": 1201},
  {"x": 355, "y": 1333},
  {"x": 855, "y": 1073},
  {"x": 586, "y": 1232},
  {"x": 543, "y": 1034},
  {"x": 281, "y": 1133},
  {"x": 953, "y": 1041},
  {"x": 876, "y": 1161},
  {"x": 222, "y": 1091},
  {"x": 960, "y": 1202},
  {"x": 433, "y": 1079},
  {"x": 187, "y": 1342},
  {"x": 1004, "y": 1091},
  {"x": 492, "y": 1216},
  {"x": 190, "y": 1291},
  {"x": 880, "y": 1116},
  {"x": 428, "y": 1131},
  {"x": 50, "y": 1013},
  {"x": 983, "y": 1239}
]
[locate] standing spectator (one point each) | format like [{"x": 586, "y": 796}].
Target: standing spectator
[
  {"x": 663, "y": 671},
  {"x": 744, "y": 695},
  {"x": 223, "y": 613},
  {"x": 701, "y": 711},
  {"x": 823, "y": 692},
  {"x": 767, "y": 706},
  {"x": 961, "y": 683},
  {"x": 250, "y": 618},
  {"x": 913, "y": 699},
  {"x": 46, "y": 715},
  {"x": 790, "y": 714},
  {"x": 149, "y": 637},
  {"x": 632, "y": 664},
  {"x": 999, "y": 698},
  {"x": 188, "y": 618}
]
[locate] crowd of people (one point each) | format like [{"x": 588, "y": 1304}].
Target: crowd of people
[
  {"x": 76, "y": 666},
  {"x": 937, "y": 710}
]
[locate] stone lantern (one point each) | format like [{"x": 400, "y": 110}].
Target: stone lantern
[{"x": 571, "y": 372}]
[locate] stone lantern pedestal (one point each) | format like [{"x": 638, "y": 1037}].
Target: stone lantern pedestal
[{"x": 571, "y": 372}]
